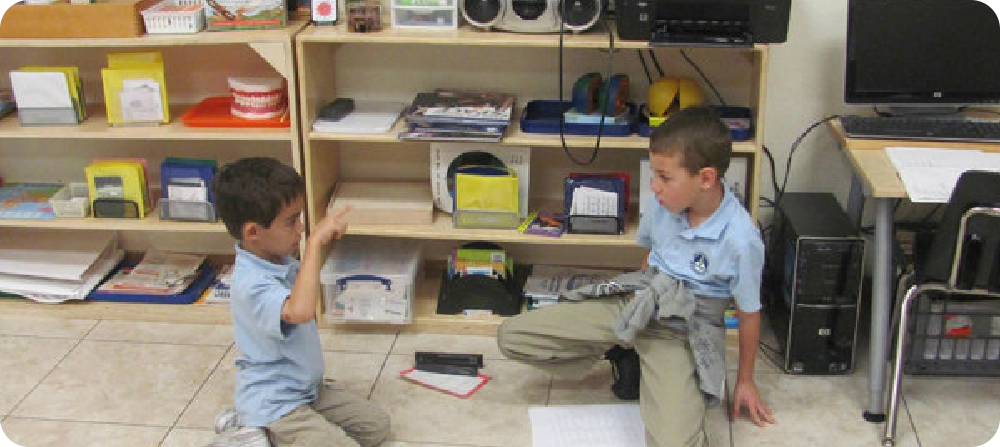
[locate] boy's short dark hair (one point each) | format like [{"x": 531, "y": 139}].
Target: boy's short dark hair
[
  {"x": 254, "y": 190},
  {"x": 698, "y": 135}
]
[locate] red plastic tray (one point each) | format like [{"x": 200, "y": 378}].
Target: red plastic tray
[{"x": 214, "y": 112}]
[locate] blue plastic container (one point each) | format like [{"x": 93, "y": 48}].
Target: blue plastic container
[{"x": 542, "y": 116}]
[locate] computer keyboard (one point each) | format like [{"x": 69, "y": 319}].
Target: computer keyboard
[{"x": 911, "y": 128}]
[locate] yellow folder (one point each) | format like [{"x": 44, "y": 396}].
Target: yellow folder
[
  {"x": 135, "y": 90},
  {"x": 118, "y": 180},
  {"x": 72, "y": 79}
]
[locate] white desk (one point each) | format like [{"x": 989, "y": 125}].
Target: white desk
[{"x": 876, "y": 177}]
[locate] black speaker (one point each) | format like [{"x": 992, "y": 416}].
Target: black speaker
[
  {"x": 579, "y": 15},
  {"x": 482, "y": 13}
]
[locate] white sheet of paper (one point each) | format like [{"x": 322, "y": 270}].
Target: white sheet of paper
[
  {"x": 617, "y": 425},
  {"x": 930, "y": 175},
  {"x": 140, "y": 100},
  {"x": 45, "y": 89}
]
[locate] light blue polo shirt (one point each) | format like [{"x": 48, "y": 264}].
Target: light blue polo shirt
[
  {"x": 280, "y": 364},
  {"x": 721, "y": 257}
]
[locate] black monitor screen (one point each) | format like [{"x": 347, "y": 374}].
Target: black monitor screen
[{"x": 922, "y": 51}]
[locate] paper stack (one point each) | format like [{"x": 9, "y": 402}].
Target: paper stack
[
  {"x": 547, "y": 282},
  {"x": 52, "y": 266}
]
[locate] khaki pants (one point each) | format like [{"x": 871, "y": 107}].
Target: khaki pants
[
  {"x": 338, "y": 418},
  {"x": 568, "y": 338}
]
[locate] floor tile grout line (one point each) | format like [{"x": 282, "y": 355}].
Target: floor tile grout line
[
  {"x": 195, "y": 394},
  {"x": 381, "y": 369},
  {"x": 125, "y": 424},
  {"x": 909, "y": 417},
  {"x": 49, "y": 372}
]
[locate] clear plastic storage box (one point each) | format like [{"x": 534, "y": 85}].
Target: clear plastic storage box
[
  {"x": 425, "y": 14},
  {"x": 370, "y": 281}
]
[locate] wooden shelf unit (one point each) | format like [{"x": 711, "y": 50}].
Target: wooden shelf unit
[
  {"x": 396, "y": 64},
  {"x": 197, "y": 66}
]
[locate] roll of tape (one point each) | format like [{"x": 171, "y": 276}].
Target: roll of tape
[
  {"x": 585, "y": 93},
  {"x": 617, "y": 101}
]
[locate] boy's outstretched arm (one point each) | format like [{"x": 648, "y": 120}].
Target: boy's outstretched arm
[
  {"x": 300, "y": 307},
  {"x": 746, "y": 393}
]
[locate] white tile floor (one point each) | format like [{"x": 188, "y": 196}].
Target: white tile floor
[{"x": 74, "y": 383}]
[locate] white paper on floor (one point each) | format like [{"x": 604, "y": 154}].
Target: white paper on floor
[{"x": 617, "y": 425}]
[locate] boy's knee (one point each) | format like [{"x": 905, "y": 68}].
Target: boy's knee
[{"x": 508, "y": 327}]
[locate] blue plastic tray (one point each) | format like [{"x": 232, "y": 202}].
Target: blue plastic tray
[
  {"x": 542, "y": 116},
  {"x": 644, "y": 129},
  {"x": 205, "y": 277}
]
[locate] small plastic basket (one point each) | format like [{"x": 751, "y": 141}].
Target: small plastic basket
[
  {"x": 71, "y": 201},
  {"x": 175, "y": 16}
]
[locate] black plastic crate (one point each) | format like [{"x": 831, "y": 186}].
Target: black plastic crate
[{"x": 949, "y": 337}]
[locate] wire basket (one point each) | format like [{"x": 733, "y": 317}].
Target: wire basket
[
  {"x": 175, "y": 16},
  {"x": 954, "y": 338}
]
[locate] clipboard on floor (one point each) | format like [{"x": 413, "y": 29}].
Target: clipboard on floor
[{"x": 456, "y": 385}]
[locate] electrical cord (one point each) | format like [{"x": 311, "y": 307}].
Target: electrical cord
[
  {"x": 645, "y": 68},
  {"x": 607, "y": 94},
  {"x": 704, "y": 78},
  {"x": 791, "y": 152},
  {"x": 774, "y": 172},
  {"x": 656, "y": 62}
]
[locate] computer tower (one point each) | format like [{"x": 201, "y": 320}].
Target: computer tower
[{"x": 812, "y": 284}]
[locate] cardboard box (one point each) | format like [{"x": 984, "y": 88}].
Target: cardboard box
[
  {"x": 224, "y": 15},
  {"x": 106, "y": 18}
]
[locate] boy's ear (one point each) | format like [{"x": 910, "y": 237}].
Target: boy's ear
[
  {"x": 708, "y": 176},
  {"x": 250, "y": 231}
]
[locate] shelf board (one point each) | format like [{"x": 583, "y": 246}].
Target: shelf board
[
  {"x": 162, "y": 40},
  {"x": 106, "y": 310},
  {"x": 443, "y": 229},
  {"x": 150, "y": 223},
  {"x": 466, "y": 35},
  {"x": 515, "y": 137},
  {"x": 96, "y": 127}
]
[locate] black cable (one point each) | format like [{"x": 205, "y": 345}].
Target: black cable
[
  {"x": 788, "y": 164},
  {"x": 774, "y": 172},
  {"x": 607, "y": 96},
  {"x": 645, "y": 68},
  {"x": 704, "y": 78},
  {"x": 927, "y": 218},
  {"x": 656, "y": 62}
]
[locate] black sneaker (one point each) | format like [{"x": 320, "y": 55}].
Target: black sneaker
[{"x": 625, "y": 370}]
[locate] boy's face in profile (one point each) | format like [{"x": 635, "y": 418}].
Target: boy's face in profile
[
  {"x": 675, "y": 188},
  {"x": 282, "y": 237}
]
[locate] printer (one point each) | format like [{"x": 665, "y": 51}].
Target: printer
[{"x": 703, "y": 22}]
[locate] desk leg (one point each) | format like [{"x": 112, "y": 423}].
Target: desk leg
[{"x": 881, "y": 299}]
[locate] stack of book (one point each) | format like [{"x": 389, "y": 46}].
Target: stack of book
[{"x": 446, "y": 114}]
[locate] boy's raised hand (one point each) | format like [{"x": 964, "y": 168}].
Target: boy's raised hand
[{"x": 332, "y": 226}]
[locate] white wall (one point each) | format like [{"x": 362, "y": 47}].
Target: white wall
[{"x": 805, "y": 82}]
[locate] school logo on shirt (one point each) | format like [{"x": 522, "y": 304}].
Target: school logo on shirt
[{"x": 700, "y": 263}]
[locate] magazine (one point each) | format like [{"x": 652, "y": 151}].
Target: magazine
[{"x": 461, "y": 107}]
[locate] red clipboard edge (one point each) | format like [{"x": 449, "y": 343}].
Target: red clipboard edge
[{"x": 404, "y": 375}]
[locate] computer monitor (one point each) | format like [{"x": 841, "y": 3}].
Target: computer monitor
[{"x": 915, "y": 54}]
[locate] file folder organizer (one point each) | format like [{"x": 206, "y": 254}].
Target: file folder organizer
[
  {"x": 486, "y": 197},
  {"x": 205, "y": 277},
  {"x": 186, "y": 185},
  {"x": 46, "y": 97},
  {"x": 591, "y": 223}
]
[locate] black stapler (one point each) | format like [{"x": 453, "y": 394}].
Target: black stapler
[{"x": 337, "y": 109}]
